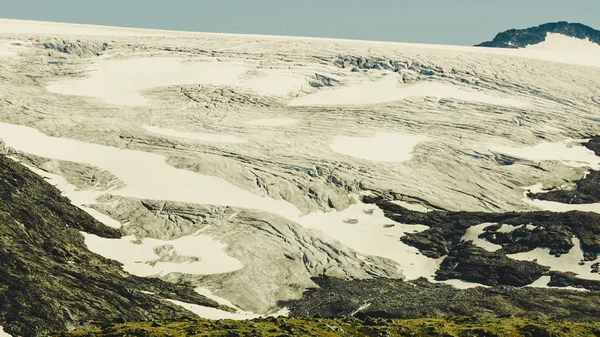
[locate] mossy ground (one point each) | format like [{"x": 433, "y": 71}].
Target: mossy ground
[{"x": 457, "y": 327}]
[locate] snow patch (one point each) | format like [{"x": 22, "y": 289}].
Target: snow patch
[
  {"x": 272, "y": 121},
  {"x": 208, "y": 294},
  {"x": 146, "y": 175},
  {"x": 543, "y": 281},
  {"x": 565, "y": 263},
  {"x": 389, "y": 89},
  {"x": 530, "y": 227},
  {"x": 361, "y": 308},
  {"x": 202, "y": 137},
  {"x": 198, "y": 254},
  {"x": 560, "y": 207},
  {"x": 461, "y": 284},
  {"x": 121, "y": 81},
  {"x": 563, "y": 43},
  {"x": 3, "y": 334},
  {"x": 383, "y": 146},
  {"x": 213, "y": 313},
  {"x": 505, "y": 228},
  {"x": 472, "y": 234},
  {"x": 376, "y": 235}
]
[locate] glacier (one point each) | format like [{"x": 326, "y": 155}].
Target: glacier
[{"x": 238, "y": 162}]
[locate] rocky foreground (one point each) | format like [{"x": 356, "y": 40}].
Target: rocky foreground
[
  {"x": 352, "y": 326},
  {"x": 418, "y": 299}
]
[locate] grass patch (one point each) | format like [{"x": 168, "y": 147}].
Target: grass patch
[{"x": 351, "y": 326}]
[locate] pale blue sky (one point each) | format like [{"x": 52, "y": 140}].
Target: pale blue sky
[{"x": 463, "y": 22}]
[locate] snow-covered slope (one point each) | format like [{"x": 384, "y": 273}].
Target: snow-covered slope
[
  {"x": 238, "y": 162},
  {"x": 565, "y": 43}
]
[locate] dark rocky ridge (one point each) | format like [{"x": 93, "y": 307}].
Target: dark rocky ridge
[
  {"x": 49, "y": 281},
  {"x": 594, "y": 144},
  {"x": 554, "y": 230},
  {"x": 474, "y": 264},
  {"x": 558, "y": 279},
  {"x": 519, "y": 38},
  {"x": 416, "y": 299}
]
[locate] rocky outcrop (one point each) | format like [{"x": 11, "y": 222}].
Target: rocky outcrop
[
  {"x": 473, "y": 264},
  {"x": 49, "y": 281},
  {"x": 552, "y": 230},
  {"x": 398, "y": 299},
  {"x": 519, "y": 38},
  {"x": 558, "y": 279},
  {"x": 465, "y": 262}
]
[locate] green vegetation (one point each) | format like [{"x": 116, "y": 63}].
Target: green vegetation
[{"x": 351, "y": 326}]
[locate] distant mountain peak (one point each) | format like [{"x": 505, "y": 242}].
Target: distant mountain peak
[{"x": 519, "y": 38}]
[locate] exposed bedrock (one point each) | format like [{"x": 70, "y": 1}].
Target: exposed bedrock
[
  {"x": 552, "y": 230},
  {"x": 396, "y": 298},
  {"x": 473, "y": 264}
]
